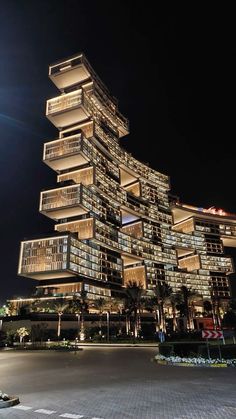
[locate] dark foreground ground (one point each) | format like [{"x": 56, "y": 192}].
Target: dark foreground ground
[{"x": 113, "y": 383}]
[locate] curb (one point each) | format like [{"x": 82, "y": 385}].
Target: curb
[{"x": 9, "y": 403}]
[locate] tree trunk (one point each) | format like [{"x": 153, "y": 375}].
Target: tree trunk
[
  {"x": 157, "y": 324},
  {"x": 174, "y": 317},
  {"x": 135, "y": 323},
  {"x": 81, "y": 334},
  {"x": 162, "y": 320},
  {"x": 127, "y": 324},
  {"x": 100, "y": 324},
  {"x": 59, "y": 325}
]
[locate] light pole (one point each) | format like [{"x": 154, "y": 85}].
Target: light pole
[
  {"x": 108, "y": 326},
  {"x": 78, "y": 320}
]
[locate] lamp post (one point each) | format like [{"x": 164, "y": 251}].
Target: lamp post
[
  {"x": 78, "y": 321},
  {"x": 108, "y": 326}
]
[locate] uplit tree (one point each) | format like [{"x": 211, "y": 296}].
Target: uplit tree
[
  {"x": 3, "y": 310},
  {"x": 134, "y": 292},
  {"x": 60, "y": 307},
  {"x": 189, "y": 297},
  {"x": 152, "y": 305},
  {"x": 100, "y": 305},
  {"x": 162, "y": 291},
  {"x": 175, "y": 300},
  {"x": 78, "y": 305},
  {"x": 22, "y": 332}
]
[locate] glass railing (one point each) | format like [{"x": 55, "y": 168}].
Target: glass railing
[
  {"x": 64, "y": 102},
  {"x": 63, "y": 147},
  {"x": 59, "y": 198},
  {"x": 65, "y": 65}
]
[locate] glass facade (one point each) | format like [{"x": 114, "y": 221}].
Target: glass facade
[{"x": 116, "y": 220}]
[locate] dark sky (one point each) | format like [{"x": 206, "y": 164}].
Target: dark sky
[{"x": 173, "y": 73}]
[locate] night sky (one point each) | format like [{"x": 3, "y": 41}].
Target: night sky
[{"x": 174, "y": 76}]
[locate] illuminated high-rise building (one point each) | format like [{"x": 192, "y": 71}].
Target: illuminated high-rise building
[{"x": 114, "y": 218}]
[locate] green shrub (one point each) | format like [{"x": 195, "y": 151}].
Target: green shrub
[{"x": 227, "y": 351}]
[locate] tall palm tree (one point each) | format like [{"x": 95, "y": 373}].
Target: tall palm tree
[
  {"x": 189, "y": 297},
  {"x": 60, "y": 307},
  {"x": 175, "y": 300},
  {"x": 162, "y": 292},
  {"x": 100, "y": 304},
  {"x": 152, "y": 305},
  {"x": 207, "y": 307},
  {"x": 134, "y": 292},
  {"x": 116, "y": 305},
  {"x": 84, "y": 307},
  {"x": 216, "y": 308},
  {"x": 75, "y": 307}
]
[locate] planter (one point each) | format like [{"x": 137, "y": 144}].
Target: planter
[
  {"x": 8, "y": 403},
  {"x": 194, "y": 362}
]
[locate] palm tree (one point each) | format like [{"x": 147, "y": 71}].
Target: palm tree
[
  {"x": 75, "y": 307},
  {"x": 115, "y": 305},
  {"x": 134, "y": 292},
  {"x": 189, "y": 297},
  {"x": 100, "y": 305},
  {"x": 162, "y": 292},
  {"x": 60, "y": 307},
  {"x": 207, "y": 307},
  {"x": 175, "y": 300},
  {"x": 84, "y": 307},
  {"x": 218, "y": 308},
  {"x": 78, "y": 306},
  {"x": 152, "y": 305}
]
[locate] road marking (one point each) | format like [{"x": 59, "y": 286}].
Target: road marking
[
  {"x": 21, "y": 407},
  {"x": 96, "y": 418},
  {"x": 45, "y": 412},
  {"x": 71, "y": 416}
]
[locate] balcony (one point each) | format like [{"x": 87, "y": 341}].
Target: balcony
[
  {"x": 67, "y": 109},
  {"x": 137, "y": 274},
  {"x": 62, "y": 202},
  {"x": 84, "y": 228},
  {"x": 77, "y": 70},
  {"x": 86, "y": 176},
  {"x": 45, "y": 258},
  {"x": 190, "y": 263},
  {"x": 69, "y": 72},
  {"x": 65, "y": 153}
]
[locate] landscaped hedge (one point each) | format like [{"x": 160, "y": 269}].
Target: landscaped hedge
[
  {"x": 184, "y": 349},
  {"x": 227, "y": 351}
]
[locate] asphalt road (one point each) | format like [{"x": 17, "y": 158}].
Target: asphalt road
[{"x": 113, "y": 383}]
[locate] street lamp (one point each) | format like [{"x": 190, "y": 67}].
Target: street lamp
[
  {"x": 78, "y": 320},
  {"x": 108, "y": 326}
]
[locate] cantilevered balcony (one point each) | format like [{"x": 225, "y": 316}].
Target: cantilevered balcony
[
  {"x": 45, "y": 258},
  {"x": 136, "y": 273},
  {"x": 62, "y": 202},
  {"x": 69, "y": 72},
  {"x": 84, "y": 228},
  {"x": 75, "y": 71},
  {"x": 65, "y": 153},
  {"x": 67, "y": 109}
]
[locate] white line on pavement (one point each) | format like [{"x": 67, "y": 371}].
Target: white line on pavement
[
  {"x": 21, "y": 407},
  {"x": 71, "y": 416},
  {"x": 45, "y": 412}
]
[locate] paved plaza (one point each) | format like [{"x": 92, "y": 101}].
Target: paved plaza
[{"x": 113, "y": 383}]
